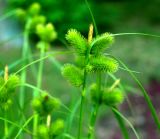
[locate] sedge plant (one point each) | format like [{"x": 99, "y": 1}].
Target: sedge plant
[
  {"x": 90, "y": 60},
  {"x": 8, "y": 85},
  {"x": 29, "y": 18},
  {"x": 46, "y": 34}
]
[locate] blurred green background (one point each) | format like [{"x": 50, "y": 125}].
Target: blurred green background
[
  {"x": 115, "y": 16},
  {"x": 140, "y": 53}
]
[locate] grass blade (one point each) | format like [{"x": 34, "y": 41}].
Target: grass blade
[
  {"x": 24, "y": 125},
  {"x": 129, "y": 123}
]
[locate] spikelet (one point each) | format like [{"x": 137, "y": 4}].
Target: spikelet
[
  {"x": 44, "y": 104},
  {"x": 113, "y": 97},
  {"x": 43, "y": 132},
  {"x": 7, "y": 90},
  {"x": 56, "y": 128},
  {"x": 46, "y": 32},
  {"x": 95, "y": 95},
  {"x": 12, "y": 83},
  {"x": 73, "y": 74},
  {"x": 102, "y": 64},
  {"x": 77, "y": 41},
  {"x": 34, "y": 9},
  {"x": 100, "y": 43}
]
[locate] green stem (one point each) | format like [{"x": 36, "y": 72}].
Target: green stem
[
  {"x": 95, "y": 109},
  {"x": 39, "y": 82},
  {"x": 81, "y": 105},
  {"x": 24, "y": 55},
  {"x": 6, "y": 127},
  {"x": 122, "y": 126},
  {"x": 83, "y": 96},
  {"x": 93, "y": 121}
]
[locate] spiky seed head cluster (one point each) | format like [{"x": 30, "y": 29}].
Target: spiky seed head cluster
[
  {"x": 80, "y": 44},
  {"x": 95, "y": 94},
  {"x": 36, "y": 20},
  {"x": 7, "y": 90},
  {"x": 89, "y": 55},
  {"x": 108, "y": 96},
  {"x": 77, "y": 41},
  {"x": 46, "y": 32},
  {"x": 101, "y": 64},
  {"x": 54, "y": 131},
  {"x": 113, "y": 97},
  {"x": 34, "y": 9},
  {"x": 45, "y": 104},
  {"x": 100, "y": 43},
  {"x": 31, "y": 16},
  {"x": 73, "y": 74}
]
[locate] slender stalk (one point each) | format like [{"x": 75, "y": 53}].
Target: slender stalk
[
  {"x": 122, "y": 126},
  {"x": 39, "y": 82},
  {"x": 93, "y": 121},
  {"x": 6, "y": 126},
  {"x": 126, "y": 120},
  {"x": 6, "y": 74},
  {"x": 24, "y": 55},
  {"x": 81, "y": 105},
  {"x": 95, "y": 109},
  {"x": 146, "y": 96},
  {"x": 90, "y": 34}
]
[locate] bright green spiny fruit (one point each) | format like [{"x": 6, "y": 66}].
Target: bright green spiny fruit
[
  {"x": 34, "y": 9},
  {"x": 12, "y": 83},
  {"x": 102, "y": 64},
  {"x": 5, "y": 105},
  {"x": 95, "y": 94},
  {"x": 73, "y": 74},
  {"x": 100, "y": 43},
  {"x": 46, "y": 32},
  {"x": 36, "y": 20},
  {"x": 7, "y": 90},
  {"x": 44, "y": 104},
  {"x": 113, "y": 97},
  {"x": 56, "y": 128},
  {"x": 43, "y": 132},
  {"x": 77, "y": 41}
]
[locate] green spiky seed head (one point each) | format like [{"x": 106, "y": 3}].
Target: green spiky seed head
[
  {"x": 102, "y": 64},
  {"x": 43, "y": 132},
  {"x": 95, "y": 94},
  {"x": 7, "y": 90},
  {"x": 56, "y": 128},
  {"x": 113, "y": 97},
  {"x": 34, "y": 9},
  {"x": 6, "y": 105},
  {"x": 45, "y": 104},
  {"x": 36, "y": 20},
  {"x": 50, "y": 104},
  {"x": 100, "y": 43},
  {"x": 46, "y": 32},
  {"x": 73, "y": 74},
  {"x": 77, "y": 41},
  {"x": 37, "y": 105},
  {"x": 12, "y": 83}
]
